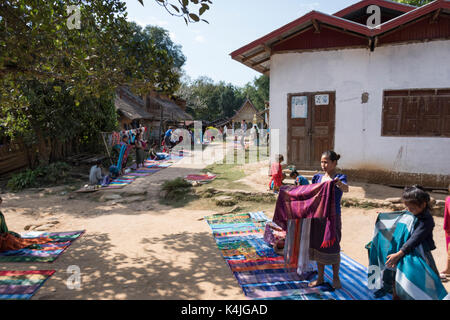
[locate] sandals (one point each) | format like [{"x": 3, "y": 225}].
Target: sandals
[{"x": 444, "y": 276}]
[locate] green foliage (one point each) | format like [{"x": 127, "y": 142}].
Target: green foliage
[
  {"x": 41, "y": 176},
  {"x": 206, "y": 100},
  {"x": 183, "y": 8},
  {"x": 258, "y": 91},
  {"x": 417, "y": 3},
  {"x": 36, "y": 43},
  {"x": 176, "y": 189},
  {"x": 57, "y": 84}
]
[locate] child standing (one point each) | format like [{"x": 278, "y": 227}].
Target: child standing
[
  {"x": 277, "y": 174},
  {"x": 417, "y": 202}
]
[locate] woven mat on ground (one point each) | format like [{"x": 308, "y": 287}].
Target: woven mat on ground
[
  {"x": 263, "y": 274},
  {"x": 200, "y": 177},
  {"x": 22, "y": 285},
  {"x": 48, "y": 252}
]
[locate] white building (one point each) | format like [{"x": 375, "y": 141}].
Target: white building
[{"x": 380, "y": 97}]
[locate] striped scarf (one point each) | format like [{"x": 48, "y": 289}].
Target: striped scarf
[
  {"x": 414, "y": 278},
  {"x": 309, "y": 201}
]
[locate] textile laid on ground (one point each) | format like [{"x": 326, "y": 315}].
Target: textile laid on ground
[
  {"x": 309, "y": 201},
  {"x": 200, "y": 177},
  {"x": 150, "y": 167},
  {"x": 22, "y": 285},
  {"x": 414, "y": 278},
  {"x": 47, "y": 252},
  {"x": 262, "y": 274}
]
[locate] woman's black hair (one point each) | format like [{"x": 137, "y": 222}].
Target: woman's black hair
[
  {"x": 294, "y": 174},
  {"x": 416, "y": 195},
  {"x": 333, "y": 156}
]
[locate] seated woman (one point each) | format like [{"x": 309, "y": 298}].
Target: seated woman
[{"x": 10, "y": 240}]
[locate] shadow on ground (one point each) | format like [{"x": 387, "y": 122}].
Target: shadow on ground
[{"x": 150, "y": 275}]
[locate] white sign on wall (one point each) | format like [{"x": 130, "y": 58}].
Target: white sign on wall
[
  {"x": 322, "y": 99},
  {"x": 299, "y": 107}
]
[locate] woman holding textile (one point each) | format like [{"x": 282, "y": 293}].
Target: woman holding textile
[{"x": 330, "y": 255}]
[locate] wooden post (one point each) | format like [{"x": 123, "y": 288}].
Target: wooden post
[{"x": 106, "y": 146}]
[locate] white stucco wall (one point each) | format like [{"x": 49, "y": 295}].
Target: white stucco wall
[{"x": 358, "y": 126}]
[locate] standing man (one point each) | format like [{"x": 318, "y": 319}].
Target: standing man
[
  {"x": 224, "y": 134},
  {"x": 244, "y": 130}
]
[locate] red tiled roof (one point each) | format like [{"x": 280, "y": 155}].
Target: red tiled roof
[{"x": 260, "y": 48}]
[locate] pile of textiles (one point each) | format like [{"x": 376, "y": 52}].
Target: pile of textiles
[
  {"x": 414, "y": 277},
  {"x": 46, "y": 252},
  {"x": 263, "y": 274},
  {"x": 22, "y": 285}
]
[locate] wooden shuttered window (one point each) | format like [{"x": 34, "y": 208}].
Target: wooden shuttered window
[{"x": 416, "y": 113}]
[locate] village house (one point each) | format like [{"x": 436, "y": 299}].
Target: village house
[
  {"x": 379, "y": 96},
  {"x": 155, "y": 112}
]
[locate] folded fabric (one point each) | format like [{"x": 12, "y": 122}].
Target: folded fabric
[
  {"x": 10, "y": 242},
  {"x": 309, "y": 201}
]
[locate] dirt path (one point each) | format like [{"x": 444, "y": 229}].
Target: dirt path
[{"x": 144, "y": 250}]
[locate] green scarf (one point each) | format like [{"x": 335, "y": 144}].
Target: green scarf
[{"x": 4, "y": 227}]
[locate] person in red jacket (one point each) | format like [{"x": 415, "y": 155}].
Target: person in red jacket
[
  {"x": 277, "y": 174},
  {"x": 446, "y": 273}
]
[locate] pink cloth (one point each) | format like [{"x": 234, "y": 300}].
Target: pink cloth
[
  {"x": 309, "y": 201},
  {"x": 447, "y": 221}
]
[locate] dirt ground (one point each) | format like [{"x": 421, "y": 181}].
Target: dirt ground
[{"x": 140, "y": 249}]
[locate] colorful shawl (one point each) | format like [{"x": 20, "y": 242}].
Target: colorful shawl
[
  {"x": 447, "y": 222},
  {"x": 414, "y": 278},
  {"x": 310, "y": 201}
]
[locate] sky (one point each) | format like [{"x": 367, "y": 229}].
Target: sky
[{"x": 232, "y": 24}]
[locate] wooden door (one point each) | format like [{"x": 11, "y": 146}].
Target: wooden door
[
  {"x": 311, "y": 119},
  {"x": 322, "y": 126}
]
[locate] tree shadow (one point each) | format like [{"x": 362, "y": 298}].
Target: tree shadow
[{"x": 188, "y": 266}]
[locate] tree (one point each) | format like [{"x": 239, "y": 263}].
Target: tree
[
  {"x": 57, "y": 84},
  {"x": 183, "y": 8},
  {"x": 161, "y": 39},
  {"x": 37, "y": 43},
  {"x": 258, "y": 91},
  {"x": 206, "y": 100},
  {"x": 417, "y": 3}
]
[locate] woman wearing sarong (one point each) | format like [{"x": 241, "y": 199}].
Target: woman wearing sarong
[
  {"x": 329, "y": 255},
  {"x": 10, "y": 240},
  {"x": 139, "y": 146}
]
